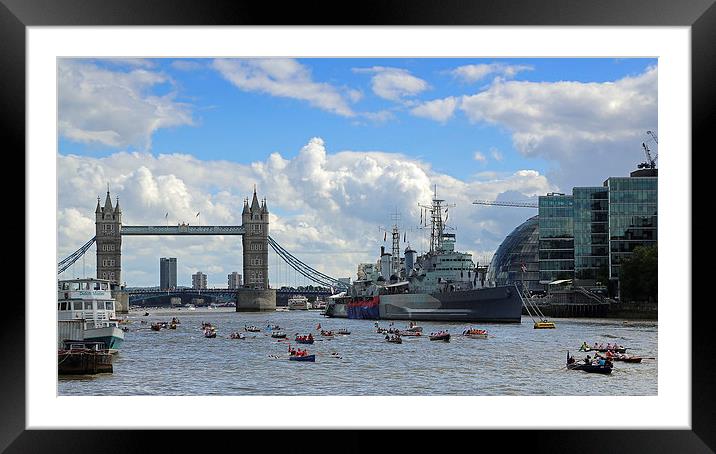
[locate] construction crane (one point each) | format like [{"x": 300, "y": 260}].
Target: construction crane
[
  {"x": 650, "y": 161},
  {"x": 506, "y": 204}
]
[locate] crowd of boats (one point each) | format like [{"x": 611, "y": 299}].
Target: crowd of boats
[{"x": 90, "y": 333}]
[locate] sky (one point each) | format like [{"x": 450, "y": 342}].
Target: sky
[{"x": 336, "y": 146}]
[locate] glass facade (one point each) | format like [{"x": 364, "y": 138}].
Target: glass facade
[
  {"x": 519, "y": 247},
  {"x": 167, "y": 273},
  {"x": 556, "y": 237},
  {"x": 632, "y": 217},
  {"x": 591, "y": 237}
]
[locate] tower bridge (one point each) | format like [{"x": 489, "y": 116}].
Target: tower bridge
[{"x": 256, "y": 295}]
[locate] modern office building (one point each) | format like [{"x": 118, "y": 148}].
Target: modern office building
[
  {"x": 234, "y": 280},
  {"x": 167, "y": 273},
  {"x": 591, "y": 237},
  {"x": 556, "y": 237},
  {"x": 633, "y": 215},
  {"x": 583, "y": 237},
  {"x": 198, "y": 280}
]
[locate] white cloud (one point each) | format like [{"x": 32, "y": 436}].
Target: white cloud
[
  {"x": 440, "y": 110},
  {"x": 474, "y": 73},
  {"x": 325, "y": 207},
  {"x": 591, "y": 130},
  {"x": 496, "y": 154},
  {"x": 115, "y": 108},
  {"x": 285, "y": 78},
  {"x": 394, "y": 84},
  {"x": 480, "y": 157}
]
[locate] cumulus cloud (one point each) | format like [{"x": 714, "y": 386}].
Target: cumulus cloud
[
  {"x": 440, "y": 110},
  {"x": 480, "y": 157},
  {"x": 597, "y": 126},
  {"x": 474, "y": 73},
  {"x": 285, "y": 78},
  {"x": 115, "y": 108},
  {"x": 325, "y": 206},
  {"x": 394, "y": 84}
]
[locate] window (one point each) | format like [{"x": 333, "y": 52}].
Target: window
[
  {"x": 110, "y": 305},
  {"x": 88, "y": 305}
]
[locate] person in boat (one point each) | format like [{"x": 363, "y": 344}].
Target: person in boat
[{"x": 588, "y": 360}]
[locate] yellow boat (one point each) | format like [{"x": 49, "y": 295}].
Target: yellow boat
[{"x": 544, "y": 325}]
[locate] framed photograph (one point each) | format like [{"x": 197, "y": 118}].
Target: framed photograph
[{"x": 449, "y": 200}]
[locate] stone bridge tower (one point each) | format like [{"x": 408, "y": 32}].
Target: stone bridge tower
[
  {"x": 255, "y": 219},
  {"x": 108, "y": 233}
]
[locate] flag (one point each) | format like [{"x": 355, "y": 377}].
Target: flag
[
  {"x": 403, "y": 237},
  {"x": 166, "y": 215},
  {"x": 385, "y": 236},
  {"x": 197, "y": 215}
]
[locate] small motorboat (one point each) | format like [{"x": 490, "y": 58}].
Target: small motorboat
[
  {"x": 440, "y": 336},
  {"x": 273, "y": 327},
  {"x": 309, "y": 358},
  {"x": 210, "y": 333},
  {"x": 146, "y": 314},
  {"x": 410, "y": 333},
  {"x": 544, "y": 324},
  {"x": 327, "y": 333},
  {"x": 172, "y": 326},
  {"x": 278, "y": 335},
  {"x": 394, "y": 339},
  {"x": 475, "y": 333},
  {"x": 344, "y": 331},
  {"x": 237, "y": 335},
  {"x": 156, "y": 326},
  {"x": 252, "y": 329}
]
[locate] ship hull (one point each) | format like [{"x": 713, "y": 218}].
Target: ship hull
[
  {"x": 494, "y": 304},
  {"x": 111, "y": 336}
]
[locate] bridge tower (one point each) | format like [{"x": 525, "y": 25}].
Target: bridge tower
[
  {"x": 255, "y": 219},
  {"x": 108, "y": 232}
]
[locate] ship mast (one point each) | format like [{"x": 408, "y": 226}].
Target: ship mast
[
  {"x": 437, "y": 225},
  {"x": 395, "y": 258}
]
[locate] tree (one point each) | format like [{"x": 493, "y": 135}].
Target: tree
[{"x": 639, "y": 275}]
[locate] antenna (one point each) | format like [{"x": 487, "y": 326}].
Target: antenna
[{"x": 437, "y": 224}]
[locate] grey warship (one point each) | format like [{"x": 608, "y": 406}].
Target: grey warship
[{"x": 440, "y": 285}]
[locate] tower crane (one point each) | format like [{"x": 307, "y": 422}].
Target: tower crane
[
  {"x": 650, "y": 161},
  {"x": 506, "y": 204}
]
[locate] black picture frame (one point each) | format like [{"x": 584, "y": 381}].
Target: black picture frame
[{"x": 16, "y": 15}]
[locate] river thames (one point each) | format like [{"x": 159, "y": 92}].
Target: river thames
[{"x": 515, "y": 360}]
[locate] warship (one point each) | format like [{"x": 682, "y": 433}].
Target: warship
[{"x": 441, "y": 285}]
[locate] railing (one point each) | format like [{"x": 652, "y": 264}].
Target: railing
[{"x": 182, "y": 230}]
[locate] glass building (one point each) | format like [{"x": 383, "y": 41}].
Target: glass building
[
  {"x": 591, "y": 238},
  {"x": 521, "y": 247},
  {"x": 556, "y": 237},
  {"x": 632, "y": 215},
  {"x": 167, "y": 273}
]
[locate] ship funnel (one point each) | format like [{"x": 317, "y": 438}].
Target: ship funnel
[{"x": 382, "y": 251}]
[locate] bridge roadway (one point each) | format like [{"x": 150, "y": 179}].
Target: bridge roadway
[
  {"x": 182, "y": 229},
  {"x": 220, "y": 291}
]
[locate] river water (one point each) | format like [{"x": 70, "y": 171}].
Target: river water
[{"x": 515, "y": 360}]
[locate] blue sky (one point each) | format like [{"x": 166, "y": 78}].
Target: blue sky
[{"x": 480, "y": 128}]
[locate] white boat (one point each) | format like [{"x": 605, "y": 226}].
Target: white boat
[
  {"x": 298, "y": 302},
  {"x": 319, "y": 304},
  {"x": 86, "y": 312}
]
